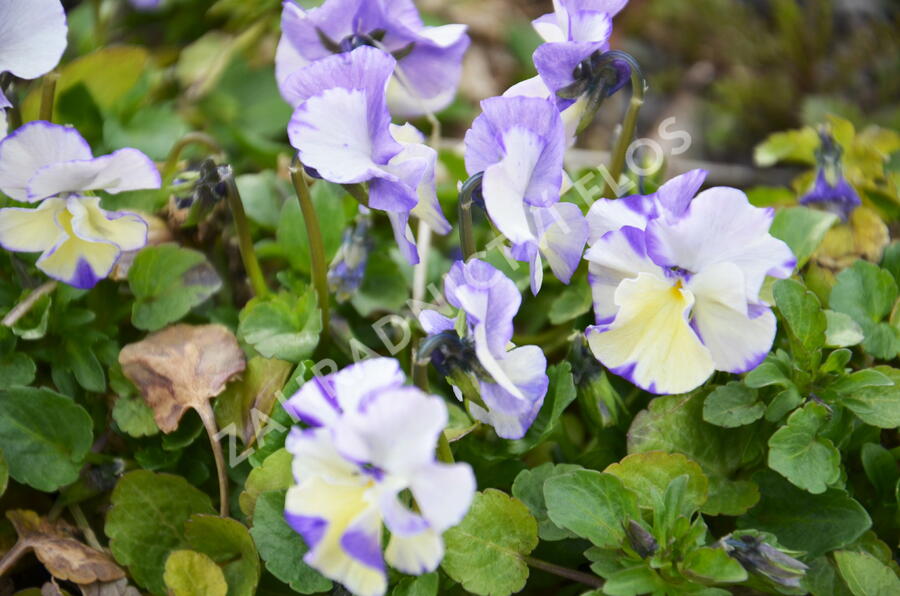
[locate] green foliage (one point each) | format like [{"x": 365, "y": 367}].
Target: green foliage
[
  {"x": 189, "y": 573},
  {"x": 282, "y": 326},
  {"x": 797, "y": 452},
  {"x": 867, "y": 294},
  {"x": 865, "y": 575}
]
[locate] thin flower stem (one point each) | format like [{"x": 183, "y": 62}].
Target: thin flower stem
[
  {"x": 199, "y": 138},
  {"x": 48, "y": 96},
  {"x": 316, "y": 247},
  {"x": 12, "y": 556},
  {"x": 209, "y": 422},
  {"x": 572, "y": 574},
  {"x": 85, "y": 527},
  {"x": 466, "y": 231},
  {"x": 629, "y": 124},
  {"x": 245, "y": 241},
  {"x": 22, "y": 308}
]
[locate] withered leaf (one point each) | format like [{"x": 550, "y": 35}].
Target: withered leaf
[
  {"x": 116, "y": 588},
  {"x": 64, "y": 556},
  {"x": 182, "y": 367}
]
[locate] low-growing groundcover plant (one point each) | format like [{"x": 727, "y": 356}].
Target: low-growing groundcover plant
[{"x": 263, "y": 335}]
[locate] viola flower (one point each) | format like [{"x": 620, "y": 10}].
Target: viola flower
[
  {"x": 576, "y": 30},
  {"x": 831, "y": 191},
  {"x": 356, "y": 469},
  {"x": 53, "y": 165},
  {"x": 676, "y": 282},
  {"x": 347, "y": 270},
  {"x": 32, "y": 38},
  {"x": 518, "y": 143},
  {"x": 429, "y": 59},
  {"x": 342, "y": 129},
  {"x": 512, "y": 382}
]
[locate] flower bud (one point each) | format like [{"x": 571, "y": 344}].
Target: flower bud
[{"x": 758, "y": 556}]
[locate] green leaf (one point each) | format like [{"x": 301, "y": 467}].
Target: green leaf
[
  {"x": 167, "y": 282},
  {"x": 573, "y": 301},
  {"x": 732, "y": 405},
  {"x": 865, "y": 575},
  {"x": 134, "y": 417},
  {"x": 633, "y": 581},
  {"x": 188, "y": 573},
  {"x": 282, "y": 326},
  {"x": 867, "y": 294},
  {"x": 861, "y": 379},
  {"x": 878, "y": 405},
  {"x": 424, "y": 585},
  {"x": 528, "y": 487},
  {"x": 228, "y": 543},
  {"x": 384, "y": 287},
  {"x": 146, "y": 522},
  {"x": 263, "y": 195},
  {"x": 591, "y": 504},
  {"x": 798, "y": 454},
  {"x": 797, "y": 145},
  {"x": 674, "y": 424},
  {"x": 44, "y": 436},
  {"x": 243, "y": 408},
  {"x": 327, "y": 199},
  {"x": 837, "y": 361},
  {"x": 880, "y": 467},
  {"x": 16, "y": 369},
  {"x": 4, "y": 474},
  {"x": 802, "y": 229},
  {"x": 767, "y": 374},
  {"x": 649, "y": 474},
  {"x": 282, "y": 548},
  {"x": 842, "y": 331},
  {"x": 273, "y": 474},
  {"x": 484, "y": 552},
  {"x": 802, "y": 312},
  {"x": 560, "y": 394},
  {"x": 713, "y": 565},
  {"x": 815, "y": 524}
]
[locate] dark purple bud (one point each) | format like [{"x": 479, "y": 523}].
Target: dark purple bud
[{"x": 642, "y": 541}]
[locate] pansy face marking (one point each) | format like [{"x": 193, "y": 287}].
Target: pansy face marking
[
  {"x": 676, "y": 282},
  {"x": 53, "y": 165}
]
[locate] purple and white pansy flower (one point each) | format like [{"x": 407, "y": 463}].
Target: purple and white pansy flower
[
  {"x": 512, "y": 381},
  {"x": 429, "y": 59},
  {"x": 32, "y": 38},
  {"x": 574, "y": 31},
  {"x": 53, "y": 165},
  {"x": 342, "y": 130},
  {"x": 370, "y": 447},
  {"x": 676, "y": 281},
  {"x": 519, "y": 143}
]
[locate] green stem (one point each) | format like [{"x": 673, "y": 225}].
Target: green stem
[
  {"x": 316, "y": 246},
  {"x": 199, "y": 138},
  {"x": 466, "y": 228},
  {"x": 248, "y": 252},
  {"x": 358, "y": 192},
  {"x": 22, "y": 308},
  {"x": 571, "y": 574},
  {"x": 629, "y": 124},
  {"x": 81, "y": 521},
  {"x": 48, "y": 95}
]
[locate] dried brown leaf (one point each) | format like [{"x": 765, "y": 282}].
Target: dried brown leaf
[
  {"x": 182, "y": 367},
  {"x": 116, "y": 588},
  {"x": 65, "y": 557}
]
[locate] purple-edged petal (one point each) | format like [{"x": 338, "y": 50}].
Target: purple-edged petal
[
  {"x": 362, "y": 540},
  {"x": 355, "y": 384},
  {"x": 617, "y": 256},
  {"x": 722, "y": 318},
  {"x": 315, "y": 403},
  {"x": 32, "y": 36},
  {"x": 32, "y": 147},
  {"x": 512, "y": 414},
  {"x": 521, "y": 142},
  {"x": 676, "y": 194},
  {"x": 556, "y": 63},
  {"x": 416, "y": 554},
  {"x": 77, "y": 262},
  {"x": 839, "y": 198},
  {"x": 606, "y": 215},
  {"x": 126, "y": 230},
  {"x": 721, "y": 225},
  {"x": 488, "y": 297},
  {"x": 406, "y": 242},
  {"x": 31, "y": 230},
  {"x": 563, "y": 233},
  {"x": 434, "y": 322},
  {"x": 651, "y": 342},
  {"x": 428, "y": 208},
  {"x": 120, "y": 171}
]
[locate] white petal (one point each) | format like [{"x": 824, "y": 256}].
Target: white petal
[
  {"x": 417, "y": 554},
  {"x": 607, "y": 215},
  {"x": 358, "y": 381},
  {"x": 562, "y": 242},
  {"x": 315, "y": 456},
  {"x": 651, "y": 342},
  {"x": 443, "y": 493},
  {"x": 32, "y": 36},
  {"x": 737, "y": 342},
  {"x": 3, "y": 125},
  {"x": 31, "y": 230},
  {"x": 120, "y": 171},
  {"x": 428, "y": 209},
  {"x": 33, "y": 146}
]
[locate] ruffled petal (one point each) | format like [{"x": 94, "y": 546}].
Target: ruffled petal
[
  {"x": 607, "y": 215},
  {"x": 32, "y": 36},
  {"x": 126, "y": 230},
  {"x": 416, "y": 554},
  {"x": 737, "y": 339},
  {"x": 428, "y": 208},
  {"x": 75, "y": 261},
  {"x": 676, "y": 194},
  {"x": 31, "y": 230},
  {"x": 720, "y": 225},
  {"x": 651, "y": 342},
  {"x": 315, "y": 403},
  {"x": 354, "y": 384},
  {"x": 120, "y": 171},
  {"x": 487, "y": 296},
  {"x": 33, "y": 146}
]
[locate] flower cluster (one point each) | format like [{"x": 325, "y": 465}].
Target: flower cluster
[
  {"x": 676, "y": 281},
  {"x": 368, "y": 461},
  {"x": 512, "y": 382},
  {"x": 53, "y": 166}
]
